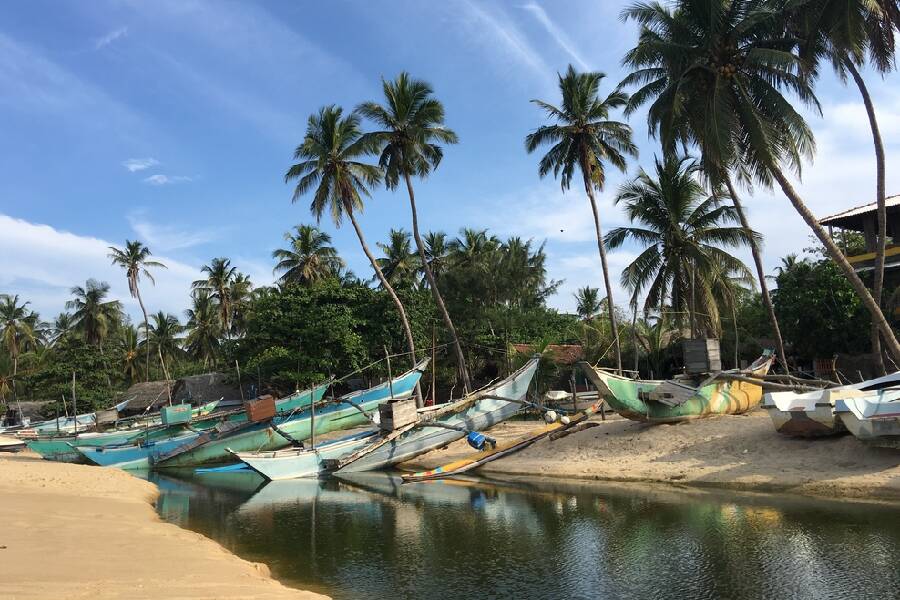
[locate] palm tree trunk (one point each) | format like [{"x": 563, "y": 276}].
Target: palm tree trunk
[
  {"x": 390, "y": 290},
  {"x": 760, "y": 274},
  {"x": 442, "y": 308},
  {"x": 614, "y": 330},
  {"x": 838, "y": 257},
  {"x": 878, "y": 283},
  {"x": 137, "y": 294}
]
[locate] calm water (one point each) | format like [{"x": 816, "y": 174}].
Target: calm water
[{"x": 370, "y": 537}]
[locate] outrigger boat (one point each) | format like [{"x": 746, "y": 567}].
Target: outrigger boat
[
  {"x": 812, "y": 414},
  {"x": 219, "y": 446},
  {"x": 669, "y": 401},
  {"x": 444, "y": 424},
  {"x": 134, "y": 456},
  {"x": 873, "y": 418}
]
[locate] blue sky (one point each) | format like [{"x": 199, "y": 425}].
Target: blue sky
[{"x": 174, "y": 122}]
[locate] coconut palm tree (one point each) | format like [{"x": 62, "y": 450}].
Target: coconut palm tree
[
  {"x": 682, "y": 229},
  {"x": 16, "y": 329},
  {"x": 220, "y": 275},
  {"x": 240, "y": 294},
  {"x": 399, "y": 264},
  {"x": 309, "y": 257},
  {"x": 714, "y": 72},
  {"x": 94, "y": 315},
  {"x": 584, "y": 137},
  {"x": 412, "y": 129},
  {"x": 330, "y": 167},
  {"x": 163, "y": 339},
  {"x": 129, "y": 351},
  {"x": 62, "y": 324},
  {"x": 436, "y": 251},
  {"x": 204, "y": 329},
  {"x": 588, "y": 299},
  {"x": 134, "y": 258}
]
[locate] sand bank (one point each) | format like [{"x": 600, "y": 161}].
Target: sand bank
[
  {"x": 738, "y": 452},
  {"x": 72, "y": 531}
]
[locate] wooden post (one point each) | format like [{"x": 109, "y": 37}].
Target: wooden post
[
  {"x": 433, "y": 367},
  {"x": 240, "y": 387},
  {"x": 312, "y": 420},
  {"x": 390, "y": 375},
  {"x": 165, "y": 371},
  {"x": 74, "y": 403}
]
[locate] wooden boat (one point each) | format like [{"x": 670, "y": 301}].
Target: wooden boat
[
  {"x": 671, "y": 401},
  {"x": 219, "y": 445},
  {"x": 477, "y": 412},
  {"x": 500, "y": 450},
  {"x": 811, "y": 414},
  {"x": 873, "y": 417},
  {"x": 11, "y": 444},
  {"x": 134, "y": 456}
]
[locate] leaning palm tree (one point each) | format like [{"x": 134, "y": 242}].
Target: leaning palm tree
[
  {"x": 331, "y": 168},
  {"x": 134, "y": 258},
  {"x": 412, "y": 127},
  {"x": 399, "y": 264},
  {"x": 204, "y": 330},
  {"x": 220, "y": 274},
  {"x": 683, "y": 230},
  {"x": 94, "y": 315},
  {"x": 583, "y": 137},
  {"x": 15, "y": 330},
  {"x": 309, "y": 257},
  {"x": 714, "y": 72},
  {"x": 588, "y": 299}
]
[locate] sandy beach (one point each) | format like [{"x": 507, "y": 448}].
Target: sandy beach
[
  {"x": 738, "y": 452},
  {"x": 73, "y": 531}
]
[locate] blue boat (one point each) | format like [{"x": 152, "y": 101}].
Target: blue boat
[{"x": 133, "y": 456}]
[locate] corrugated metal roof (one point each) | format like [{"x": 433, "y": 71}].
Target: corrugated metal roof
[{"x": 890, "y": 202}]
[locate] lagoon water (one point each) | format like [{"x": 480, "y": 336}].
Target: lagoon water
[{"x": 371, "y": 537}]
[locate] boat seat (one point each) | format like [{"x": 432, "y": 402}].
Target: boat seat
[{"x": 670, "y": 393}]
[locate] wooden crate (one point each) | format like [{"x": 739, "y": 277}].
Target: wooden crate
[
  {"x": 396, "y": 414},
  {"x": 179, "y": 413},
  {"x": 701, "y": 356},
  {"x": 261, "y": 409}
]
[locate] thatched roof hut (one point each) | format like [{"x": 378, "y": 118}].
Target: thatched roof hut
[
  {"x": 147, "y": 396},
  {"x": 209, "y": 387}
]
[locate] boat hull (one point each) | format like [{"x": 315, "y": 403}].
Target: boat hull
[
  {"x": 294, "y": 464},
  {"x": 137, "y": 456},
  {"x": 874, "y": 419}
]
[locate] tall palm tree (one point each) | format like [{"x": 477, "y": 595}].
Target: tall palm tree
[
  {"x": 714, "y": 72},
  {"x": 220, "y": 274},
  {"x": 330, "y": 167},
  {"x": 239, "y": 294},
  {"x": 163, "y": 339},
  {"x": 62, "y": 324},
  {"x": 309, "y": 257},
  {"x": 400, "y": 264},
  {"x": 94, "y": 315},
  {"x": 584, "y": 137},
  {"x": 683, "y": 230},
  {"x": 412, "y": 129},
  {"x": 436, "y": 251},
  {"x": 15, "y": 330},
  {"x": 134, "y": 258},
  {"x": 129, "y": 349},
  {"x": 204, "y": 329},
  {"x": 588, "y": 299}
]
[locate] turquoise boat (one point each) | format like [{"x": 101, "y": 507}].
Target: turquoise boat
[
  {"x": 218, "y": 446},
  {"x": 134, "y": 456}
]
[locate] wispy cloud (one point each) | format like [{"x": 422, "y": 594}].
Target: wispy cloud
[
  {"x": 558, "y": 35},
  {"x": 168, "y": 237},
  {"x": 110, "y": 37},
  {"x": 160, "y": 179},
  {"x": 139, "y": 164}
]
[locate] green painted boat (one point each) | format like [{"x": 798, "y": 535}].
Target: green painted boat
[
  {"x": 659, "y": 401},
  {"x": 216, "y": 446}
]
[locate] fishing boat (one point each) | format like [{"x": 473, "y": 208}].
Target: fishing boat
[
  {"x": 872, "y": 417},
  {"x": 811, "y": 414},
  {"x": 669, "y": 401},
  {"x": 474, "y": 461},
  {"x": 134, "y": 456},
  {"x": 11, "y": 444},
  {"x": 479, "y": 411},
  {"x": 220, "y": 445}
]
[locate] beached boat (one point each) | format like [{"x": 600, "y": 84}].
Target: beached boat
[
  {"x": 134, "y": 456},
  {"x": 671, "y": 401},
  {"x": 219, "y": 445},
  {"x": 11, "y": 444},
  {"x": 873, "y": 417},
  {"x": 479, "y": 411}
]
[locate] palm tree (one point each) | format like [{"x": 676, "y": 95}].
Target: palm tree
[
  {"x": 399, "y": 264},
  {"x": 412, "y": 129},
  {"x": 715, "y": 71},
  {"x": 162, "y": 339},
  {"x": 239, "y": 294},
  {"x": 436, "y": 251},
  {"x": 219, "y": 277},
  {"x": 129, "y": 348},
  {"x": 330, "y": 167},
  {"x": 654, "y": 338},
  {"x": 308, "y": 258},
  {"x": 584, "y": 137},
  {"x": 135, "y": 260},
  {"x": 682, "y": 229},
  {"x": 62, "y": 324},
  {"x": 94, "y": 315},
  {"x": 202, "y": 341},
  {"x": 16, "y": 330},
  {"x": 588, "y": 299}
]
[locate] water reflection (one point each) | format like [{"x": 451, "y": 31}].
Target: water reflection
[{"x": 369, "y": 536}]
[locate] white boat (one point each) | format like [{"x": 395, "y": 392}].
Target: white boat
[{"x": 873, "y": 418}]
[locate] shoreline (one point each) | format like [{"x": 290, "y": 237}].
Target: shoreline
[
  {"x": 729, "y": 452},
  {"x": 76, "y": 531}
]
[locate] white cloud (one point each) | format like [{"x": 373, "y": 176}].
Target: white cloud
[
  {"x": 110, "y": 37},
  {"x": 139, "y": 164},
  {"x": 168, "y": 237},
  {"x": 558, "y": 35},
  {"x": 160, "y": 179},
  {"x": 44, "y": 263}
]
